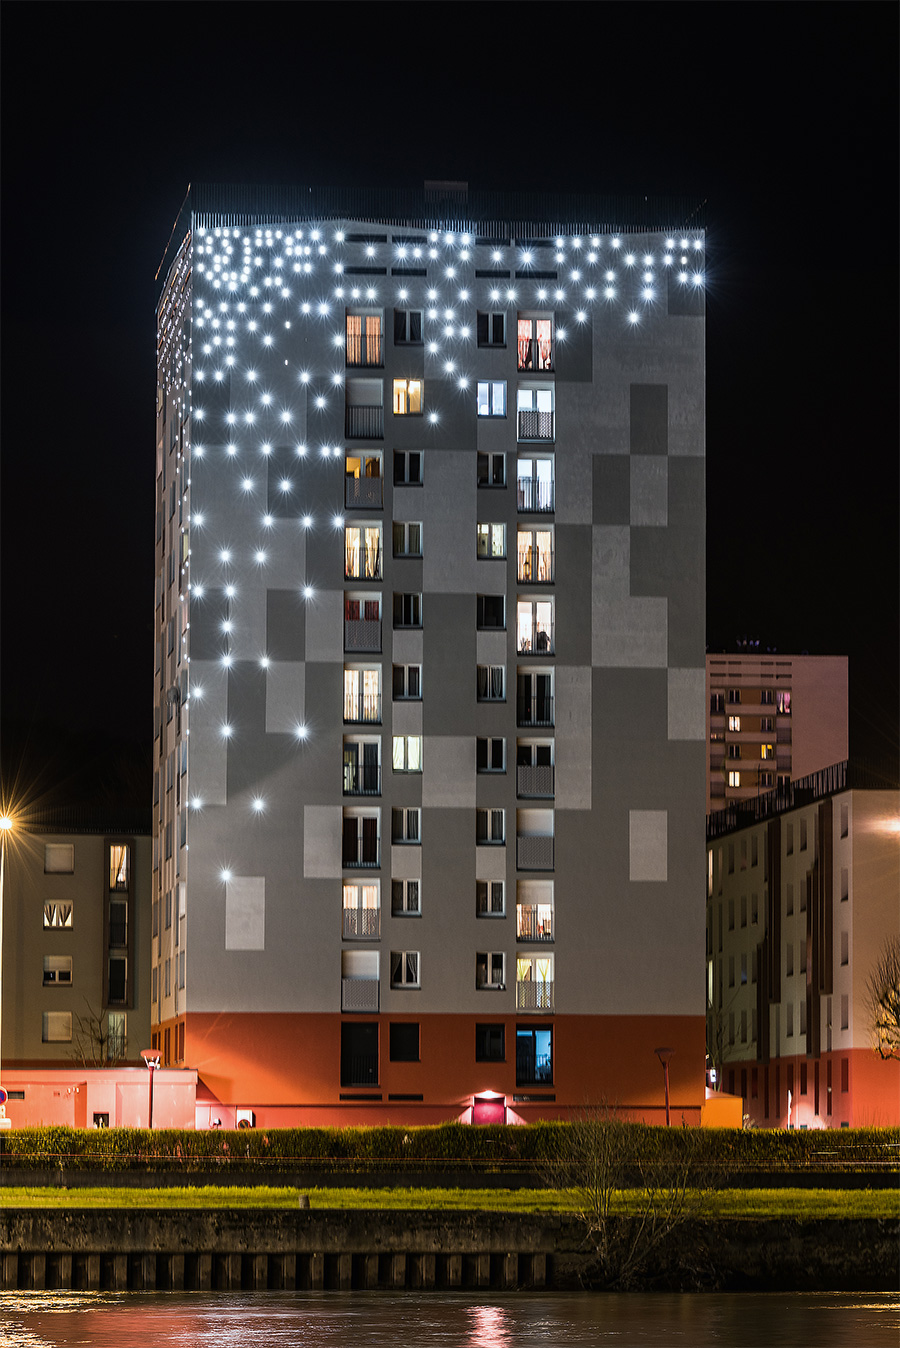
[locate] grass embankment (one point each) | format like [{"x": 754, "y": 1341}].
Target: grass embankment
[{"x": 722, "y": 1204}]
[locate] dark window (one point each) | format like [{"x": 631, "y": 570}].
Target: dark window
[
  {"x": 359, "y": 1054},
  {"x": 491, "y": 470},
  {"x": 490, "y": 1043},
  {"x": 117, "y": 979},
  {"x": 408, "y": 327},
  {"x": 407, "y": 610},
  {"x": 404, "y": 1041},
  {"x": 534, "y": 1055},
  {"x": 407, "y": 683},
  {"x": 490, "y": 610},
  {"x": 491, "y": 329},
  {"x": 408, "y": 468},
  {"x": 490, "y": 755}
]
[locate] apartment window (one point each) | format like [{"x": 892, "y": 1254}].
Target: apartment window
[
  {"x": 534, "y": 910},
  {"x": 534, "y": 698},
  {"x": 59, "y": 916},
  {"x": 534, "y": 343},
  {"x": 717, "y": 702},
  {"x": 802, "y": 950},
  {"x": 789, "y": 899},
  {"x": 845, "y": 947},
  {"x": 408, "y": 327},
  {"x": 154, "y": 984},
  {"x": 803, "y": 1025},
  {"x": 754, "y": 909},
  {"x": 490, "y": 827},
  {"x": 59, "y": 858},
  {"x": 783, "y": 703},
  {"x": 803, "y": 1076},
  {"x": 118, "y": 978},
  {"x": 57, "y": 971},
  {"x": 767, "y": 751},
  {"x": 734, "y": 779},
  {"x": 408, "y": 397},
  {"x": 360, "y": 840},
  {"x": 408, "y": 468},
  {"x": 491, "y": 398},
  {"x": 491, "y": 470},
  {"x": 117, "y": 1035},
  {"x": 56, "y": 1027},
  {"x": 743, "y": 910},
  {"x": 364, "y": 332},
  {"x": 754, "y": 852},
  {"x": 359, "y": 1053},
  {"x": 362, "y": 552},
  {"x": 535, "y": 484},
  {"x": 534, "y": 407},
  {"x": 118, "y": 923},
  {"x": 734, "y": 696},
  {"x": 845, "y": 822},
  {"x": 490, "y": 329},
  {"x": 405, "y": 898},
  {"x": 407, "y": 753},
  {"x": 404, "y": 1041},
  {"x": 407, "y": 610},
  {"x": 734, "y": 751},
  {"x": 789, "y": 840},
  {"x": 404, "y": 968},
  {"x": 364, "y": 409},
  {"x": 361, "y": 911},
  {"x": 490, "y": 540},
  {"x": 534, "y": 1055},
  {"x": 490, "y": 611},
  {"x": 766, "y": 724},
  {"x": 407, "y": 683},
  {"x": 743, "y": 967},
  {"x": 362, "y": 695},
  {"x": 731, "y": 858},
  {"x": 766, "y": 778},
  {"x": 490, "y": 755},
  {"x": 845, "y": 1018},
  {"x": 490, "y": 898},
  {"x": 119, "y": 855},
  {"x": 534, "y": 556},
  {"x": 406, "y": 826},
  {"x": 789, "y": 1021},
  {"x": 490, "y": 1042},
  {"x": 491, "y": 683},
  {"x": 734, "y": 723},
  {"x": 362, "y": 479},
  {"x": 534, "y": 626},
  {"x": 731, "y": 971},
  {"x": 407, "y": 539},
  {"x": 490, "y": 971},
  {"x": 845, "y": 884},
  {"x": 803, "y": 835}
]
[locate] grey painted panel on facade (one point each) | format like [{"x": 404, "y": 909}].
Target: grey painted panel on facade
[
  {"x": 649, "y": 490},
  {"x": 649, "y": 419},
  {"x": 245, "y": 912},
  {"x": 322, "y": 841},
  {"x": 325, "y": 626},
  {"x": 449, "y": 567},
  {"x": 611, "y": 489},
  {"x": 286, "y": 612},
  {"x": 448, "y": 777},
  {"x": 687, "y": 704},
  {"x": 209, "y": 748},
  {"x": 574, "y": 737},
  {"x": 285, "y": 696},
  {"x": 648, "y": 845}
]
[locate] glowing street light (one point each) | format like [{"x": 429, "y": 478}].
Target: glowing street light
[{"x": 6, "y": 827}]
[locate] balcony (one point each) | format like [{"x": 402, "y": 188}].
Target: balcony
[
  {"x": 364, "y": 423},
  {"x": 534, "y": 996},
  {"x": 361, "y": 854},
  {"x": 534, "y": 922},
  {"x": 534, "y": 425},
  {"x": 535, "y": 639},
  {"x": 360, "y": 994},
  {"x": 535, "y": 495},
  {"x": 362, "y": 634},
  {"x": 535, "y": 710},
  {"x": 362, "y": 779},
  {"x": 534, "y": 854},
  {"x": 362, "y": 924},
  {"x": 535, "y": 566},
  {"x": 364, "y": 349},
  {"x": 362, "y": 491},
  {"x": 534, "y": 780},
  {"x": 362, "y": 708}
]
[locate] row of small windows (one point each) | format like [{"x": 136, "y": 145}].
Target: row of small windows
[
  {"x": 764, "y": 697},
  {"x": 360, "y": 1050},
  {"x": 59, "y": 859},
  {"x": 364, "y": 406},
  {"x": 535, "y": 478},
  {"x": 534, "y": 906},
  {"x": 364, "y": 336},
  {"x": 360, "y": 977},
  {"x": 363, "y": 551}
]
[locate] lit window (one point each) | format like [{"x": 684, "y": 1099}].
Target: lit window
[
  {"x": 534, "y": 344},
  {"x": 491, "y": 540},
  {"x": 404, "y": 968},
  {"x": 364, "y": 339},
  {"x": 118, "y": 866},
  {"x": 407, "y": 396},
  {"x": 534, "y": 1055},
  {"x": 58, "y": 915},
  {"x": 362, "y": 552},
  {"x": 57, "y": 970},
  {"x": 407, "y": 753},
  {"x": 734, "y": 723},
  {"x": 783, "y": 704},
  {"x": 491, "y": 398},
  {"x": 734, "y": 779},
  {"x": 767, "y": 751}
]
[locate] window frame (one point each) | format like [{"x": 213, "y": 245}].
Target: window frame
[
  {"x": 404, "y": 458},
  {"x": 408, "y": 964},
  {"x": 406, "y": 528},
  {"x": 494, "y": 961},
  {"x": 490, "y": 820},
  {"x": 491, "y": 399},
  {"x": 403, "y": 397},
  {"x": 403, "y": 908},
  {"x": 405, "y": 319},
  {"x": 406, "y": 696}
]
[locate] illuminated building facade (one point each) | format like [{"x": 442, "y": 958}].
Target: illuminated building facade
[
  {"x": 800, "y": 899},
  {"x": 429, "y": 659},
  {"x": 771, "y": 720}
]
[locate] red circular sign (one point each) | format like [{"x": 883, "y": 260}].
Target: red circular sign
[{"x": 3, "y": 1096}]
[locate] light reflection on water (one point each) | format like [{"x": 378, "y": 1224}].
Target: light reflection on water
[{"x": 446, "y": 1320}]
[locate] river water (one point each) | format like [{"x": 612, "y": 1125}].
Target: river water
[{"x": 447, "y": 1320}]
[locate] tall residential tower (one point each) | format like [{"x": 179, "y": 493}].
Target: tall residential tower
[{"x": 430, "y": 662}]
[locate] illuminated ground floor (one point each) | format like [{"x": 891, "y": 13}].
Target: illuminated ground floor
[{"x": 852, "y": 1088}]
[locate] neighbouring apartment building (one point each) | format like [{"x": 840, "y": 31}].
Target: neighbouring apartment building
[
  {"x": 801, "y": 895},
  {"x": 429, "y": 656},
  {"x": 76, "y": 939},
  {"x": 772, "y": 719}
]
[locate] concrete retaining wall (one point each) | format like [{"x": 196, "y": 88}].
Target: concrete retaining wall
[{"x": 94, "y": 1249}]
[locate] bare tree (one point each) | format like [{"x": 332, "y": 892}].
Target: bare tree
[
  {"x": 94, "y": 1042},
  {"x": 883, "y": 997},
  {"x": 631, "y": 1206}
]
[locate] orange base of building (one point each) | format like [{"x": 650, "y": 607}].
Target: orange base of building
[{"x": 852, "y": 1088}]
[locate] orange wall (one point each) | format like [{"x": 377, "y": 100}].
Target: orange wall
[
  {"x": 278, "y": 1060},
  {"x": 873, "y": 1097}
]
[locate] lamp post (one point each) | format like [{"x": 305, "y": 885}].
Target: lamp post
[
  {"x": 664, "y": 1054},
  {"x": 151, "y": 1058},
  {"x": 6, "y": 826}
]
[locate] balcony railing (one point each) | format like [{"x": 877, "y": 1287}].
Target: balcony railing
[
  {"x": 535, "y": 425},
  {"x": 362, "y": 491},
  {"x": 362, "y": 634},
  {"x": 534, "y": 923},
  {"x": 364, "y": 423},
  {"x": 531, "y": 996},
  {"x": 362, "y": 924},
  {"x": 534, "y": 779},
  {"x": 360, "y": 994},
  {"x": 536, "y": 710},
  {"x": 364, "y": 349},
  {"x": 363, "y": 566},
  {"x": 362, "y": 708},
  {"x": 361, "y": 855},
  {"x": 362, "y": 779},
  {"x": 534, "y": 854},
  {"x": 535, "y": 495},
  {"x": 535, "y": 640},
  {"x": 535, "y": 566}
]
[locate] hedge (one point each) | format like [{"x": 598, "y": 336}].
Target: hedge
[{"x": 447, "y": 1146}]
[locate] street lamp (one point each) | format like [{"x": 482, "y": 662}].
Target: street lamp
[
  {"x": 664, "y": 1054},
  {"x": 151, "y": 1058},
  {"x": 6, "y": 827}
]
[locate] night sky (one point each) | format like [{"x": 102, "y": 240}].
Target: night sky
[{"x": 781, "y": 118}]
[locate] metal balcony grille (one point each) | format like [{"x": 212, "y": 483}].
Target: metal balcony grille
[
  {"x": 359, "y": 994},
  {"x": 362, "y": 924},
  {"x": 363, "y": 708},
  {"x": 534, "y": 425},
  {"x": 362, "y": 779},
  {"x": 531, "y": 996},
  {"x": 534, "y": 854},
  {"x": 362, "y": 491},
  {"x": 534, "y": 710},
  {"x": 535, "y": 496},
  {"x": 534, "y": 779},
  {"x": 362, "y": 634},
  {"x": 364, "y": 423}
]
